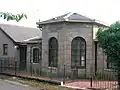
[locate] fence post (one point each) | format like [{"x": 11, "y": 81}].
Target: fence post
[
  {"x": 15, "y": 67},
  {"x": 31, "y": 68},
  {"x": 19, "y": 67},
  {"x": 91, "y": 78},
  {"x": 40, "y": 70},
  {"x": 64, "y": 75},
  {"x": 51, "y": 73},
  {"x": 7, "y": 65},
  {"x": 91, "y": 81},
  {"x": 1, "y": 65}
]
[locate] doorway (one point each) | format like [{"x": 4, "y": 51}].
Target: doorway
[{"x": 23, "y": 50}]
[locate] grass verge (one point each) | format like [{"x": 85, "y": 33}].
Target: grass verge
[{"x": 42, "y": 85}]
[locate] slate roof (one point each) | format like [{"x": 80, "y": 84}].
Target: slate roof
[
  {"x": 71, "y": 17},
  {"x": 20, "y": 33}
]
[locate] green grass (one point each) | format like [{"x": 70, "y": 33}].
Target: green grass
[{"x": 42, "y": 84}]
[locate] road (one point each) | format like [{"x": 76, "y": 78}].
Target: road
[{"x": 10, "y": 85}]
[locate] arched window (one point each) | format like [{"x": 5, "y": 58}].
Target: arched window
[
  {"x": 53, "y": 52},
  {"x": 36, "y": 55},
  {"x": 78, "y": 52}
]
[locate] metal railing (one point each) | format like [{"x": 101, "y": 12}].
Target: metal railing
[{"x": 102, "y": 79}]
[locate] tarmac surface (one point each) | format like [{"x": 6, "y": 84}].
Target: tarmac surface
[{"x": 11, "y": 85}]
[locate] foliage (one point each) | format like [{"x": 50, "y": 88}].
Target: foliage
[
  {"x": 109, "y": 40},
  {"x": 10, "y": 16}
]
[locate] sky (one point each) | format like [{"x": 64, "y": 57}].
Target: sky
[{"x": 104, "y": 10}]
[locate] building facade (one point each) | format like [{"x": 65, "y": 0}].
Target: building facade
[
  {"x": 14, "y": 43},
  {"x": 70, "y": 41}
]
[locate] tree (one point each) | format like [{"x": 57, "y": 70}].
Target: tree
[
  {"x": 109, "y": 41},
  {"x": 10, "y": 16}
]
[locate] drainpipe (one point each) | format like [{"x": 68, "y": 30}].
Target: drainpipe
[
  {"x": 95, "y": 57},
  {"x": 92, "y": 65},
  {"x": 92, "y": 46}
]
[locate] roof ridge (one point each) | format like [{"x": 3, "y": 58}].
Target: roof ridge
[
  {"x": 71, "y": 17},
  {"x": 32, "y": 38},
  {"x": 59, "y": 16},
  {"x": 68, "y": 15},
  {"x": 17, "y": 25}
]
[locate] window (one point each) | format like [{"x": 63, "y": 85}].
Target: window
[
  {"x": 5, "y": 49},
  {"x": 53, "y": 52},
  {"x": 36, "y": 55},
  {"x": 40, "y": 52},
  {"x": 78, "y": 52},
  {"x": 109, "y": 64}
]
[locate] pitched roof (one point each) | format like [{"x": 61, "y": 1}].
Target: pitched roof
[
  {"x": 33, "y": 40},
  {"x": 20, "y": 33},
  {"x": 71, "y": 17}
]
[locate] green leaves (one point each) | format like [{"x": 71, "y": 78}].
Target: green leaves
[
  {"x": 10, "y": 16},
  {"x": 109, "y": 41}
]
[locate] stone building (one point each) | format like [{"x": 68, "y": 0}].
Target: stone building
[
  {"x": 70, "y": 41},
  {"x": 15, "y": 42},
  {"x": 34, "y": 52}
]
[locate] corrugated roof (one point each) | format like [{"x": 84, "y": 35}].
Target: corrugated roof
[{"x": 20, "y": 33}]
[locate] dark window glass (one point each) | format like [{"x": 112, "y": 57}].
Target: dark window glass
[
  {"x": 36, "y": 55},
  {"x": 78, "y": 52},
  {"x": 53, "y": 52},
  {"x": 5, "y": 49}
]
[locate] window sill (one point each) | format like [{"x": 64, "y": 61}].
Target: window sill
[
  {"x": 35, "y": 63},
  {"x": 52, "y": 67},
  {"x": 108, "y": 70},
  {"x": 82, "y": 67}
]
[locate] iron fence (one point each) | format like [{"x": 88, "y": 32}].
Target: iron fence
[{"x": 70, "y": 76}]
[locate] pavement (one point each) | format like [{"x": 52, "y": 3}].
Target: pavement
[{"x": 11, "y": 85}]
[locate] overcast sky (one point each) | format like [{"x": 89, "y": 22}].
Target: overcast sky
[{"x": 107, "y": 11}]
